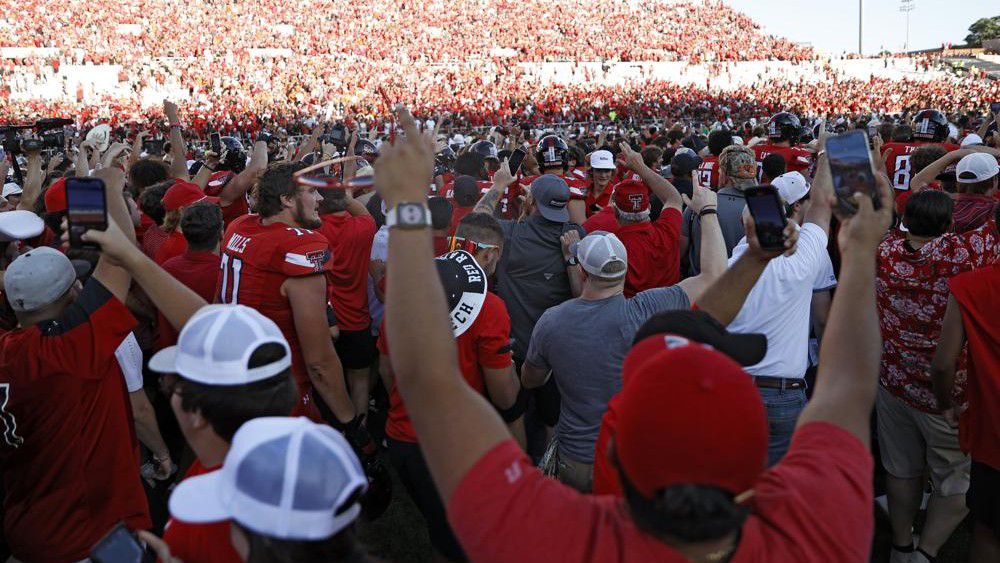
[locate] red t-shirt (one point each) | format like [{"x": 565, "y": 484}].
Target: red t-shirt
[
  {"x": 654, "y": 257},
  {"x": 708, "y": 172},
  {"x": 145, "y": 222},
  {"x": 897, "y": 161},
  {"x": 603, "y": 220},
  {"x": 68, "y": 451},
  {"x": 236, "y": 209},
  {"x": 152, "y": 240},
  {"x": 797, "y": 159},
  {"x": 172, "y": 247},
  {"x": 978, "y": 295},
  {"x": 350, "y": 240},
  {"x": 200, "y": 543},
  {"x": 486, "y": 344},
  {"x": 813, "y": 506},
  {"x": 199, "y": 271},
  {"x": 256, "y": 260},
  {"x": 457, "y": 214}
]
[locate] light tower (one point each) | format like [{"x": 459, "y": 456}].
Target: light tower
[{"x": 907, "y": 6}]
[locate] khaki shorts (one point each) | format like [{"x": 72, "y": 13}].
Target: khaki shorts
[
  {"x": 578, "y": 475},
  {"x": 911, "y": 441}
]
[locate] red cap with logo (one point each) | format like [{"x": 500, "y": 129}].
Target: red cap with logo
[
  {"x": 631, "y": 196},
  {"x": 183, "y": 194},
  {"x": 55, "y": 197},
  {"x": 688, "y": 414}
]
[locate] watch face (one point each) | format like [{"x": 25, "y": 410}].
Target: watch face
[{"x": 411, "y": 214}]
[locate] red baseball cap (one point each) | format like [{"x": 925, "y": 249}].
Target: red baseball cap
[
  {"x": 688, "y": 414},
  {"x": 183, "y": 194},
  {"x": 631, "y": 196},
  {"x": 55, "y": 197}
]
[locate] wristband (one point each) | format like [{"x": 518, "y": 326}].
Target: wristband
[
  {"x": 709, "y": 211},
  {"x": 515, "y": 411}
]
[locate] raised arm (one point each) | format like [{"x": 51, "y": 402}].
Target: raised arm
[
  {"x": 311, "y": 144},
  {"x": 934, "y": 169},
  {"x": 852, "y": 345},
  {"x": 659, "y": 185},
  {"x": 821, "y": 196},
  {"x": 456, "y": 425},
  {"x": 32, "y": 182},
  {"x": 502, "y": 179},
  {"x": 724, "y": 298},
  {"x": 238, "y": 186},
  {"x": 110, "y": 273},
  {"x": 178, "y": 148}
]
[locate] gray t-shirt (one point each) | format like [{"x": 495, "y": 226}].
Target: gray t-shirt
[
  {"x": 531, "y": 276},
  {"x": 584, "y": 344},
  {"x": 731, "y": 204}
]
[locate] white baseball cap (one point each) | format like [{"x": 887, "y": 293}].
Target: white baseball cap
[
  {"x": 101, "y": 136},
  {"x": 791, "y": 186},
  {"x": 215, "y": 346},
  {"x": 20, "y": 225},
  {"x": 971, "y": 139},
  {"x": 10, "y": 188},
  {"x": 602, "y": 160},
  {"x": 602, "y": 254},
  {"x": 284, "y": 478},
  {"x": 976, "y": 167}
]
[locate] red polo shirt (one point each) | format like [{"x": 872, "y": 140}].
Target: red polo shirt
[
  {"x": 350, "y": 241},
  {"x": 813, "y": 506},
  {"x": 603, "y": 220},
  {"x": 978, "y": 295},
  {"x": 653, "y": 252},
  {"x": 199, "y": 271}
]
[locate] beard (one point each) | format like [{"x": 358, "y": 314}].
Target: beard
[{"x": 303, "y": 219}]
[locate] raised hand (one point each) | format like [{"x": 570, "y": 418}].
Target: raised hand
[
  {"x": 632, "y": 159},
  {"x": 503, "y": 175},
  {"x": 702, "y": 197},
  {"x": 405, "y": 165}
]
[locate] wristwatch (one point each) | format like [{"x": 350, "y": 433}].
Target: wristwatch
[
  {"x": 408, "y": 216},
  {"x": 572, "y": 261}
]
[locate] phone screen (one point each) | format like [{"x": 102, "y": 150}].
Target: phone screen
[
  {"x": 153, "y": 146},
  {"x": 86, "y": 209},
  {"x": 119, "y": 546},
  {"x": 515, "y": 160},
  {"x": 215, "y": 143},
  {"x": 768, "y": 216},
  {"x": 851, "y": 169}
]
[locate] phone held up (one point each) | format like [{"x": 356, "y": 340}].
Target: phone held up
[
  {"x": 120, "y": 546},
  {"x": 851, "y": 170},
  {"x": 87, "y": 208},
  {"x": 768, "y": 214},
  {"x": 215, "y": 143},
  {"x": 515, "y": 159}
]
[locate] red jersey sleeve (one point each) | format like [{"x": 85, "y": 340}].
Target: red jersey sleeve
[
  {"x": 303, "y": 253},
  {"x": 493, "y": 341},
  {"x": 820, "y": 494}
]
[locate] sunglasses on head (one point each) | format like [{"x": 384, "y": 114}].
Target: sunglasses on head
[
  {"x": 470, "y": 246},
  {"x": 309, "y": 177}
]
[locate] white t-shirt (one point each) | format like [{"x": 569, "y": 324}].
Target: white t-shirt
[{"x": 778, "y": 305}]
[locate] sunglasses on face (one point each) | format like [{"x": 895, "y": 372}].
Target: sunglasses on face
[{"x": 470, "y": 246}]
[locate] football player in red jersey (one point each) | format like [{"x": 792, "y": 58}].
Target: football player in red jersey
[
  {"x": 275, "y": 263},
  {"x": 708, "y": 171},
  {"x": 553, "y": 155},
  {"x": 930, "y": 126},
  {"x": 232, "y": 177},
  {"x": 783, "y": 131}
]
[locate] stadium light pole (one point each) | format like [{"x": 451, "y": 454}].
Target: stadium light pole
[{"x": 907, "y": 6}]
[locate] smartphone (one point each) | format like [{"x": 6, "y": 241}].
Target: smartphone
[
  {"x": 515, "y": 159},
  {"x": 153, "y": 147},
  {"x": 86, "y": 209},
  {"x": 768, "y": 214},
  {"x": 215, "y": 143},
  {"x": 120, "y": 546},
  {"x": 995, "y": 108},
  {"x": 851, "y": 169}
]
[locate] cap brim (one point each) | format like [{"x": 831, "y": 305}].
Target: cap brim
[
  {"x": 197, "y": 500},
  {"x": 164, "y": 361},
  {"x": 553, "y": 214}
]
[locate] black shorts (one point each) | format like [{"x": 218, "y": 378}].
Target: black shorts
[
  {"x": 356, "y": 348},
  {"x": 983, "y": 498},
  {"x": 408, "y": 461}
]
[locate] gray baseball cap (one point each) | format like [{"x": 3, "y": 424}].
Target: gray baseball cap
[
  {"x": 602, "y": 254},
  {"x": 38, "y": 278},
  {"x": 551, "y": 193}
]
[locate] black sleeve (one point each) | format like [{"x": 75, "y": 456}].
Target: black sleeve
[{"x": 91, "y": 298}]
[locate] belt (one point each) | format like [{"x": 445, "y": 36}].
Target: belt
[{"x": 766, "y": 382}]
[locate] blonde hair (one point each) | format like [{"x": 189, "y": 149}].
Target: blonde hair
[{"x": 172, "y": 220}]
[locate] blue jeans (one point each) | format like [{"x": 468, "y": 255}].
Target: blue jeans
[{"x": 783, "y": 408}]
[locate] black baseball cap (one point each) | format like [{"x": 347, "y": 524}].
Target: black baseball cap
[{"x": 744, "y": 349}]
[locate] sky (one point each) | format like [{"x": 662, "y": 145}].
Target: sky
[{"x": 832, "y": 25}]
